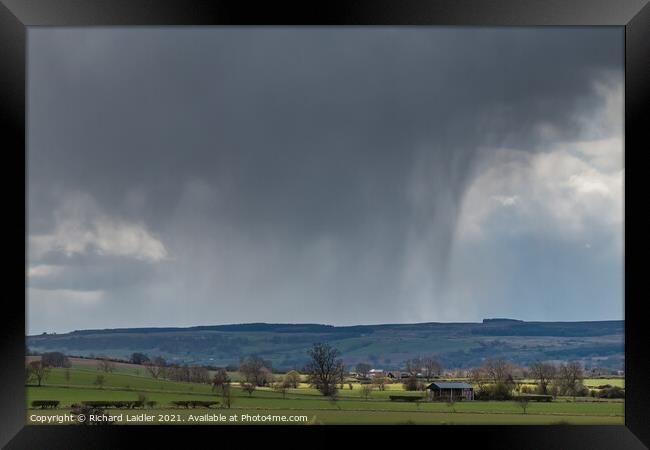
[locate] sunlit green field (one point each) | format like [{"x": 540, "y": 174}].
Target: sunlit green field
[
  {"x": 593, "y": 382},
  {"x": 77, "y": 384}
]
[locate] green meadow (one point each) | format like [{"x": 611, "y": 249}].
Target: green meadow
[{"x": 78, "y": 384}]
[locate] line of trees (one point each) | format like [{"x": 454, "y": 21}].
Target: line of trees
[
  {"x": 138, "y": 358},
  {"x": 425, "y": 367},
  {"x": 562, "y": 379},
  {"x": 495, "y": 379},
  {"x": 186, "y": 373},
  {"x": 326, "y": 371},
  {"x": 157, "y": 367},
  {"x": 55, "y": 359}
]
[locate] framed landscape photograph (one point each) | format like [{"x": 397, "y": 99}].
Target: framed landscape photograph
[{"x": 346, "y": 214}]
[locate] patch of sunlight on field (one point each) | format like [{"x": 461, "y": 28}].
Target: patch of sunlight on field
[{"x": 593, "y": 382}]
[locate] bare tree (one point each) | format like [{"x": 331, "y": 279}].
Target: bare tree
[
  {"x": 431, "y": 367},
  {"x": 476, "y": 376},
  {"x": 156, "y": 367},
  {"x": 105, "y": 365},
  {"x": 543, "y": 373},
  {"x": 281, "y": 387},
  {"x": 414, "y": 366},
  {"x": 220, "y": 378},
  {"x": 334, "y": 399},
  {"x": 255, "y": 370},
  {"x": 522, "y": 401},
  {"x": 249, "y": 387},
  {"x": 571, "y": 376},
  {"x": 99, "y": 381},
  {"x": 178, "y": 372},
  {"x": 292, "y": 379},
  {"x": 265, "y": 378},
  {"x": 380, "y": 381},
  {"x": 199, "y": 374},
  {"x": 226, "y": 395},
  {"x": 498, "y": 370},
  {"x": 39, "y": 372},
  {"x": 221, "y": 382},
  {"x": 55, "y": 359},
  {"x": 366, "y": 390},
  {"x": 362, "y": 370},
  {"x": 325, "y": 368}
]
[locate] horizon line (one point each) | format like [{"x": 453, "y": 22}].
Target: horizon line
[{"x": 505, "y": 319}]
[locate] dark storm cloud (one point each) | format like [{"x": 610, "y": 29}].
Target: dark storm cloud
[
  {"x": 257, "y": 155},
  {"x": 288, "y": 114}
]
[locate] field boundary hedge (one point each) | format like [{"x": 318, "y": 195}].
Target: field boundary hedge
[
  {"x": 535, "y": 397},
  {"x": 43, "y": 404},
  {"x": 404, "y": 398},
  {"x": 194, "y": 403},
  {"x": 129, "y": 404}
]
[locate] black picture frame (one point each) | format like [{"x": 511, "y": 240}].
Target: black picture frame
[{"x": 17, "y": 15}]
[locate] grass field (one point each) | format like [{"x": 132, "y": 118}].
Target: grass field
[
  {"x": 76, "y": 384},
  {"x": 233, "y": 416}
]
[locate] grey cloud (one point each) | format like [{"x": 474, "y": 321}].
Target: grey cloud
[
  {"x": 273, "y": 112},
  {"x": 92, "y": 272},
  {"x": 279, "y": 164}
]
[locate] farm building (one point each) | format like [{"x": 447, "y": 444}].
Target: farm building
[{"x": 451, "y": 391}]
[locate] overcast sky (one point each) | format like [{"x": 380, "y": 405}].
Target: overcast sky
[{"x": 194, "y": 176}]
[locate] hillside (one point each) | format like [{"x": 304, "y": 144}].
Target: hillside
[{"x": 456, "y": 345}]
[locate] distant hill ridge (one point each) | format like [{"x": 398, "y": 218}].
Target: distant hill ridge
[
  {"x": 459, "y": 344},
  {"x": 476, "y": 327}
]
